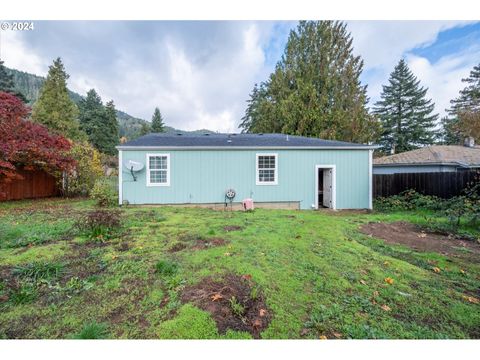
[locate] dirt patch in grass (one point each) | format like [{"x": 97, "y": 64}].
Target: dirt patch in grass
[
  {"x": 410, "y": 235},
  {"x": 177, "y": 247},
  {"x": 199, "y": 243},
  {"x": 232, "y": 228},
  {"x": 208, "y": 243},
  {"x": 235, "y": 303}
]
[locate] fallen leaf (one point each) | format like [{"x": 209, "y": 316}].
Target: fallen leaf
[
  {"x": 262, "y": 312},
  {"x": 216, "y": 297},
  {"x": 389, "y": 280},
  {"x": 386, "y": 263},
  {"x": 247, "y": 277},
  {"x": 436, "y": 269},
  {"x": 114, "y": 257},
  {"x": 471, "y": 299},
  {"x": 376, "y": 293},
  {"x": 462, "y": 271},
  {"x": 227, "y": 254},
  {"x": 323, "y": 337},
  {"x": 304, "y": 332},
  {"x": 422, "y": 235},
  {"x": 337, "y": 335},
  {"x": 363, "y": 282},
  {"x": 257, "y": 323},
  {"x": 386, "y": 307}
]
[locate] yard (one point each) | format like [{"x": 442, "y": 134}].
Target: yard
[{"x": 171, "y": 272}]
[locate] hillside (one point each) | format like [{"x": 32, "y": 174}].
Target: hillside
[{"x": 30, "y": 85}]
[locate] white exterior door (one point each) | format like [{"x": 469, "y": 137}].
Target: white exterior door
[{"x": 327, "y": 188}]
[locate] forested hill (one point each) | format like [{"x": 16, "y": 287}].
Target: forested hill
[{"x": 30, "y": 85}]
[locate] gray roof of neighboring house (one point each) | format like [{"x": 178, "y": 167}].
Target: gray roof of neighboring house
[
  {"x": 161, "y": 140},
  {"x": 434, "y": 155}
]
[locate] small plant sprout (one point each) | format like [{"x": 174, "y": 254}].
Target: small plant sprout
[{"x": 237, "y": 308}]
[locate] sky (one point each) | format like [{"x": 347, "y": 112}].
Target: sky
[{"x": 200, "y": 73}]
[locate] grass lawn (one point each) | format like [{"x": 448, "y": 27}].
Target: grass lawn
[{"x": 197, "y": 273}]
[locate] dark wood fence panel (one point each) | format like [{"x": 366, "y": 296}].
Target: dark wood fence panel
[
  {"x": 35, "y": 184},
  {"x": 441, "y": 184}
]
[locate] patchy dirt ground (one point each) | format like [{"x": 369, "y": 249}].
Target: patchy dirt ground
[
  {"x": 404, "y": 233},
  {"x": 208, "y": 243},
  {"x": 197, "y": 243},
  {"x": 235, "y": 303},
  {"x": 232, "y": 228}
]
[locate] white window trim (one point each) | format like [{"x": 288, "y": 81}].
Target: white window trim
[
  {"x": 148, "y": 169},
  {"x": 120, "y": 177},
  {"x": 257, "y": 172}
]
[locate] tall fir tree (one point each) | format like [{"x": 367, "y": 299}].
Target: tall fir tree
[
  {"x": 463, "y": 109},
  {"x": 98, "y": 123},
  {"x": 157, "y": 122},
  {"x": 113, "y": 128},
  {"x": 406, "y": 114},
  {"x": 315, "y": 89},
  {"x": 7, "y": 83},
  {"x": 54, "y": 108}
]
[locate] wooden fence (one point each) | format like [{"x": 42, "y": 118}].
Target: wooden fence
[
  {"x": 441, "y": 184},
  {"x": 35, "y": 184}
]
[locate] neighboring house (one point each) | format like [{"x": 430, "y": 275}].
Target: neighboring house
[
  {"x": 436, "y": 158},
  {"x": 274, "y": 170}
]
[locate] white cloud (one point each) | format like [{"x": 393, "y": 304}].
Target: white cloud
[
  {"x": 17, "y": 55},
  {"x": 443, "y": 78},
  {"x": 200, "y": 74},
  {"x": 383, "y": 43}
]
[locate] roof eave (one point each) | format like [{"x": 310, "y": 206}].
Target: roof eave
[
  {"x": 428, "y": 164},
  {"x": 361, "y": 147}
]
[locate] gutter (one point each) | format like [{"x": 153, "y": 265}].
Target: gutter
[
  {"x": 464, "y": 165},
  {"x": 365, "y": 147}
]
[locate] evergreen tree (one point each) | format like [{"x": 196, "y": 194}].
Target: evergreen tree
[
  {"x": 405, "y": 113},
  {"x": 465, "y": 107},
  {"x": 99, "y": 123},
  {"x": 315, "y": 89},
  {"x": 157, "y": 122},
  {"x": 54, "y": 108},
  {"x": 8, "y": 85},
  {"x": 113, "y": 128},
  {"x": 145, "y": 129}
]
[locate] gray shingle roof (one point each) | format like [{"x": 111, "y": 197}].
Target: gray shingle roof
[
  {"x": 234, "y": 140},
  {"x": 437, "y": 154}
]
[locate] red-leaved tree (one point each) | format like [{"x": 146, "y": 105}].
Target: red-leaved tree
[{"x": 26, "y": 145}]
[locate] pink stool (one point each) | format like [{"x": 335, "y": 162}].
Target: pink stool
[{"x": 248, "y": 204}]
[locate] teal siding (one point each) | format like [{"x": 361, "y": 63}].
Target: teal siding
[{"x": 202, "y": 176}]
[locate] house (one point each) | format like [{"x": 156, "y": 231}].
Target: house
[
  {"x": 436, "y": 158},
  {"x": 275, "y": 170}
]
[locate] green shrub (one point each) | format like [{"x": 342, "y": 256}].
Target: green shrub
[
  {"x": 87, "y": 170},
  {"x": 409, "y": 200},
  {"x": 166, "y": 267},
  {"x": 92, "y": 330},
  {"x": 104, "y": 193},
  {"x": 99, "y": 224}
]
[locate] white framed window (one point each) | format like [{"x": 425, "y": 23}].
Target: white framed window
[
  {"x": 267, "y": 169},
  {"x": 158, "y": 169}
]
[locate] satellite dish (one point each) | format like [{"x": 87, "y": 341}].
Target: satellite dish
[{"x": 133, "y": 167}]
